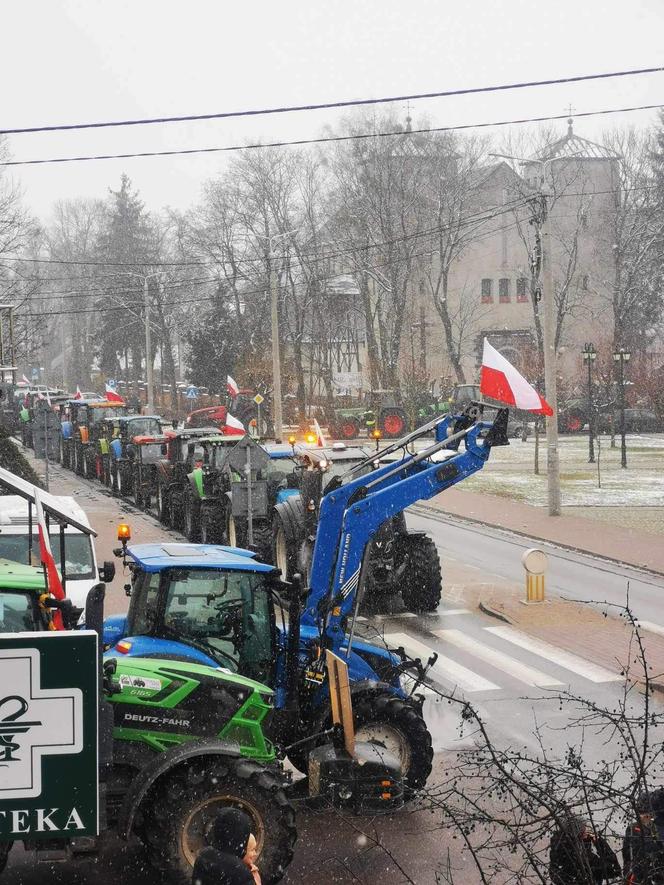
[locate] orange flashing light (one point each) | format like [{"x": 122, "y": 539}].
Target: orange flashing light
[
  {"x": 123, "y": 647},
  {"x": 292, "y": 439},
  {"x": 124, "y": 532},
  {"x": 310, "y": 437},
  {"x": 376, "y": 434}
]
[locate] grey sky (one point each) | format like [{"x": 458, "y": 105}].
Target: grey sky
[{"x": 88, "y": 60}]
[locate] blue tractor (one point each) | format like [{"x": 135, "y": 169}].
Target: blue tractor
[{"x": 220, "y": 606}]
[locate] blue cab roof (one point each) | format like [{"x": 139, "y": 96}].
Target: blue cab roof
[{"x": 156, "y": 557}]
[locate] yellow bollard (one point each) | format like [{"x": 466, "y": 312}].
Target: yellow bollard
[{"x": 535, "y": 562}]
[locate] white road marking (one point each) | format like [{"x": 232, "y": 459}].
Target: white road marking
[
  {"x": 497, "y": 659},
  {"x": 650, "y": 627},
  {"x": 558, "y": 656},
  {"x": 445, "y": 670},
  {"x": 453, "y": 611}
]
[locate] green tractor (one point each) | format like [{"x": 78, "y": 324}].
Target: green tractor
[
  {"x": 186, "y": 740},
  {"x": 382, "y": 411}
]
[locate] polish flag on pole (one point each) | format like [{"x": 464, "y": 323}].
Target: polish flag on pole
[
  {"x": 53, "y": 582},
  {"x": 112, "y": 396},
  {"x": 231, "y": 386},
  {"x": 500, "y": 380},
  {"x": 320, "y": 439},
  {"x": 78, "y": 395},
  {"x": 233, "y": 425}
]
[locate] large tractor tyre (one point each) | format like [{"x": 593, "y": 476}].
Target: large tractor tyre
[
  {"x": 162, "y": 504},
  {"x": 78, "y": 459},
  {"x": 235, "y": 534},
  {"x": 86, "y": 473},
  {"x": 284, "y": 547},
  {"x": 390, "y": 722},
  {"x": 191, "y": 519},
  {"x": 262, "y": 532},
  {"x": 137, "y": 492},
  {"x": 65, "y": 452},
  {"x": 421, "y": 582},
  {"x": 348, "y": 428},
  {"x": 176, "y": 510},
  {"x": 212, "y": 525},
  {"x": 393, "y": 423},
  {"x": 179, "y": 830},
  {"x": 122, "y": 480},
  {"x": 5, "y": 848}
]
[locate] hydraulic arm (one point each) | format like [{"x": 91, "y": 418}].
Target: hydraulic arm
[{"x": 352, "y": 511}]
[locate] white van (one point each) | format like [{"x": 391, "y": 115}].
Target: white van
[{"x": 81, "y": 572}]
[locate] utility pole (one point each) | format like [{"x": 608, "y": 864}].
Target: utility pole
[
  {"x": 550, "y": 379},
  {"x": 276, "y": 356},
  {"x": 148, "y": 346},
  {"x": 548, "y": 335}
]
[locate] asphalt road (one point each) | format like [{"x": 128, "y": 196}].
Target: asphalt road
[{"x": 512, "y": 681}]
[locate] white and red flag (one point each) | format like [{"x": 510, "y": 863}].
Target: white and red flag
[
  {"x": 78, "y": 394},
  {"x": 112, "y": 396},
  {"x": 231, "y": 386},
  {"x": 320, "y": 439},
  {"x": 233, "y": 425},
  {"x": 53, "y": 582},
  {"x": 500, "y": 380},
  {"x": 27, "y": 380}
]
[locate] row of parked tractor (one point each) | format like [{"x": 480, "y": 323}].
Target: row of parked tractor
[{"x": 218, "y": 487}]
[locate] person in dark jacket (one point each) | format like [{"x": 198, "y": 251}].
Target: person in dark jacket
[
  {"x": 578, "y": 856},
  {"x": 221, "y": 862},
  {"x": 643, "y": 846}
]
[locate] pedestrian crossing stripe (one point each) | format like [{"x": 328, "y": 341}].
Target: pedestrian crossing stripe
[
  {"x": 445, "y": 670},
  {"x": 524, "y": 673},
  {"x": 558, "y": 656}
]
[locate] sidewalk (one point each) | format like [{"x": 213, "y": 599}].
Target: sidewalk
[{"x": 626, "y": 545}]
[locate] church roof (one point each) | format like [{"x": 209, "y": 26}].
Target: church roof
[{"x": 572, "y": 146}]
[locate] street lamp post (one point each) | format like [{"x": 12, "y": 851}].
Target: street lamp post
[
  {"x": 621, "y": 356},
  {"x": 589, "y": 357}
]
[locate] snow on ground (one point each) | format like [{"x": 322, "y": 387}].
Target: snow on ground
[{"x": 509, "y": 473}]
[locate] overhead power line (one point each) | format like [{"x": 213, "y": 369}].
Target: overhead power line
[
  {"x": 330, "y": 105},
  {"x": 302, "y": 142}
]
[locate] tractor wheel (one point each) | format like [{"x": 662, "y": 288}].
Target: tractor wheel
[
  {"x": 64, "y": 453},
  {"x": 123, "y": 482},
  {"x": 234, "y": 534},
  {"x": 263, "y": 540},
  {"x": 284, "y": 554},
  {"x": 137, "y": 492},
  {"x": 175, "y": 509},
  {"x": 421, "y": 583},
  {"x": 191, "y": 518},
  {"x": 78, "y": 459},
  {"x": 349, "y": 428},
  {"x": 399, "y": 727},
  {"x": 212, "y": 525},
  {"x": 178, "y": 831},
  {"x": 393, "y": 423},
  {"x": 391, "y": 722},
  {"x": 85, "y": 464},
  {"x": 5, "y": 848},
  {"x": 162, "y": 505}
]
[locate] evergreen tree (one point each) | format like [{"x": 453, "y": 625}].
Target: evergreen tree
[
  {"x": 214, "y": 345},
  {"x": 128, "y": 243}
]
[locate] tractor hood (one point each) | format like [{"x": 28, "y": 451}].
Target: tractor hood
[{"x": 156, "y": 557}]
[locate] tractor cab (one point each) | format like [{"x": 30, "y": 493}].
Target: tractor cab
[
  {"x": 201, "y": 603},
  {"x": 22, "y": 598}
]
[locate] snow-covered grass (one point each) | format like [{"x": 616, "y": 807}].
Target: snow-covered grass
[{"x": 510, "y": 473}]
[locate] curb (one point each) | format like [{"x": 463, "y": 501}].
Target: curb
[
  {"x": 562, "y": 546},
  {"x": 500, "y": 616}
]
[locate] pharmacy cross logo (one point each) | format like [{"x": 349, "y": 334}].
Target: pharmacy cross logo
[{"x": 34, "y": 723}]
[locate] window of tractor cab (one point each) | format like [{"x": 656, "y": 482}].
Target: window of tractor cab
[
  {"x": 144, "y": 427},
  {"x": 18, "y": 612},
  {"x": 227, "y": 613},
  {"x": 78, "y": 551},
  {"x": 98, "y": 415}
]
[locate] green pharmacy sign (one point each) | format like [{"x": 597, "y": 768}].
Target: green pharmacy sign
[{"x": 48, "y": 735}]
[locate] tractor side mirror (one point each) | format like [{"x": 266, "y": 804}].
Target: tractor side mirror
[{"x": 107, "y": 572}]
